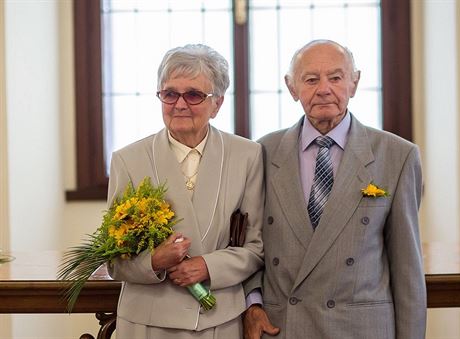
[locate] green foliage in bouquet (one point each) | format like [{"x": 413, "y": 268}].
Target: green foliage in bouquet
[{"x": 140, "y": 219}]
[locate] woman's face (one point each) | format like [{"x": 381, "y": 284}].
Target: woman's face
[{"x": 189, "y": 123}]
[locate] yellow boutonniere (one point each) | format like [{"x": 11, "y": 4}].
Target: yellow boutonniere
[{"x": 373, "y": 191}]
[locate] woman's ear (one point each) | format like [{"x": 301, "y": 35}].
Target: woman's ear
[{"x": 217, "y": 104}]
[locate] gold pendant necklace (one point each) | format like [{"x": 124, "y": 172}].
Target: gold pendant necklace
[{"x": 189, "y": 184}]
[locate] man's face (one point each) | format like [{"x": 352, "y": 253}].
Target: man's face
[{"x": 323, "y": 81}]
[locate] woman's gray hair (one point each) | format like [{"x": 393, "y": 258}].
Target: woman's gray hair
[
  {"x": 193, "y": 60},
  {"x": 299, "y": 52}
]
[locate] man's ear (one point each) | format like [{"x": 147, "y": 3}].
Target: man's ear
[
  {"x": 217, "y": 104},
  {"x": 290, "y": 86},
  {"x": 356, "y": 76}
]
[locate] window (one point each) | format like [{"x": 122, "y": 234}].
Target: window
[
  {"x": 395, "y": 83},
  {"x": 135, "y": 36},
  {"x": 279, "y": 27}
]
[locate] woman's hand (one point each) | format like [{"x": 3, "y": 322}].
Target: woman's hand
[
  {"x": 189, "y": 271},
  {"x": 170, "y": 252}
]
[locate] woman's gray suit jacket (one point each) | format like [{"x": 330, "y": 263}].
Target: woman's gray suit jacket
[{"x": 230, "y": 177}]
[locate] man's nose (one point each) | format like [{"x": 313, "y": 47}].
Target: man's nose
[{"x": 323, "y": 87}]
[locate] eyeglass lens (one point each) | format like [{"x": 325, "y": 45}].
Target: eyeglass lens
[{"x": 190, "y": 97}]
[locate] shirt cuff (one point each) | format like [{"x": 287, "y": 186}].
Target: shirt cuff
[{"x": 254, "y": 297}]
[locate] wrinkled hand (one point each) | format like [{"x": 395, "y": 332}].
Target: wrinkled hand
[
  {"x": 189, "y": 271},
  {"x": 256, "y": 323},
  {"x": 170, "y": 252}
]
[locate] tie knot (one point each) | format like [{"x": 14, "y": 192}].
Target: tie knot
[
  {"x": 324, "y": 142},
  {"x": 193, "y": 153}
]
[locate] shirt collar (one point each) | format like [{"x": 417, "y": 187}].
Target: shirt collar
[
  {"x": 339, "y": 134},
  {"x": 182, "y": 150}
]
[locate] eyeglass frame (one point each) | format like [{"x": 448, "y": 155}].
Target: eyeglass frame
[{"x": 206, "y": 95}]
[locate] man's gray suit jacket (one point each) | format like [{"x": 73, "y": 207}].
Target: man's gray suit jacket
[{"x": 360, "y": 273}]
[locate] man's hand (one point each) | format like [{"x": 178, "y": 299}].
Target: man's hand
[{"x": 256, "y": 323}]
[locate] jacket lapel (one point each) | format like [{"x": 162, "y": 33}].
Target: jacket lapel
[
  {"x": 286, "y": 184},
  {"x": 351, "y": 177},
  {"x": 209, "y": 181},
  {"x": 166, "y": 169}
]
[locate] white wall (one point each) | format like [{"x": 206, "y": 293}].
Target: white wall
[
  {"x": 5, "y": 320},
  {"x": 37, "y": 133},
  {"x": 35, "y": 174},
  {"x": 436, "y": 33},
  {"x": 41, "y": 151},
  {"x": 441, "y": 132},
  {"x": 4, "y": 228}
]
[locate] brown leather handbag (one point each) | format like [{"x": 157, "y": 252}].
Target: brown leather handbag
[{"x": 238, "y": 224}]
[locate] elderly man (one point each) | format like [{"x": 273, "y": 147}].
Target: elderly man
[{"x": 341, "y": 235}]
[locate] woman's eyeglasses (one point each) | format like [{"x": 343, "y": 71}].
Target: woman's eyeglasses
[{"x": 191, "y": 97}]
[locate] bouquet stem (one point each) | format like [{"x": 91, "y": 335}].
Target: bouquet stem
[{"x": 203, "y": 295}]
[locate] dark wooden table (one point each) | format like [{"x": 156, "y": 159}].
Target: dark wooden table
[
  {"x": 442, "y": 274},
  {"x": 28, "y": 285}
]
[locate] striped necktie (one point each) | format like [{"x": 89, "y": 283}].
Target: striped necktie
[{"x": 322, "y": 182}]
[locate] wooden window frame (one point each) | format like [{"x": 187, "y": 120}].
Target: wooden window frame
[{"x": 92, "y": 180}]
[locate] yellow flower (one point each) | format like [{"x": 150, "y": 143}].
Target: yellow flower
[
  {"x": 120, "y": 212},
  {"x": 372, "y": 190},
  {"x": 166, "y": 210},
  {"x": 160, "y": 218},
  {"x": 143, "y": 205}
]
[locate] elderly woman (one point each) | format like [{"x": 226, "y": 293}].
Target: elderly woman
[{"x": 209, "y": 174}]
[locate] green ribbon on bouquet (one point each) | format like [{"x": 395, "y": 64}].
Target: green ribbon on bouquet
[{"x": 203, "y": 295}]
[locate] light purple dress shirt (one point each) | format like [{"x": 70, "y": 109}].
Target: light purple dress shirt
[{"x": 308, "y": 151}]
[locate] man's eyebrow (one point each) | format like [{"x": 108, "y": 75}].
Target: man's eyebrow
[
  {"x": 309, "y": 74},
  {"x": 337, "y": 70},
  {"x": 315, "y": 73}
]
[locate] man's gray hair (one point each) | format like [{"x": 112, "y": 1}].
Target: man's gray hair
[
  {"x": 192, "y": 60},
  {"x": 299, "y": 52}
]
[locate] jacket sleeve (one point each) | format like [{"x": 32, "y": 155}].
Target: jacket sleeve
[
  {"x": 231, "y": 266},
  {"x": 402, "y": 241}
]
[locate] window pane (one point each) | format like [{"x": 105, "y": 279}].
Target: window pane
[
  {"x": 264, "y": 51},
  {"x": 295, "y": 24},
  {"x": 329, "y": 23},
  {"x": 364, "y": 44},
  {"x": 127, "y": 112},
  {"x": 224, "y": 120},
  {"x": 265, "y": 108},
  {"x": 367, "y": 108}
]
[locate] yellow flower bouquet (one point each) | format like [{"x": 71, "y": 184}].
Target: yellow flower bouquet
[{"x": 138, "y": 220}]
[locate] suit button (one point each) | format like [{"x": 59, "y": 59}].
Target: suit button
[
  {"x": 270, "y": 220},
  {"x": 350, "y": 261},
  {"x": 365, "y": 220},
  {"x": 293, "y": 300},
  {"x": 330, "y": 303},
  {"x": 275, "y": 261}
]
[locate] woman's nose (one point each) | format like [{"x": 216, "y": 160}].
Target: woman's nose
[{"x": 181, "y": 103}]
